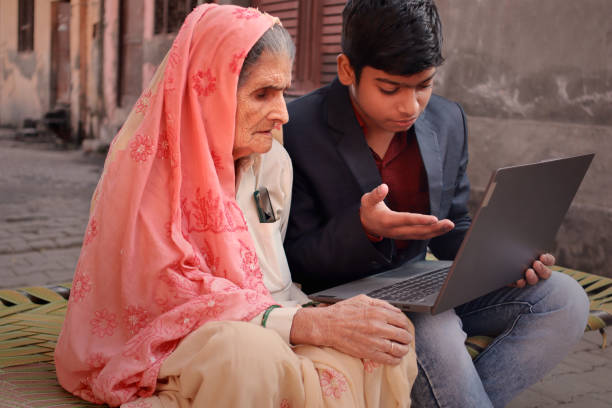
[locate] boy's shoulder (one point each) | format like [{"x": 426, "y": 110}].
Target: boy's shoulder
[{"x": 311, "y": 101}]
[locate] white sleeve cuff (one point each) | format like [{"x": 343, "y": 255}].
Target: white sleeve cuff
[{"x": 280, "y": 320}]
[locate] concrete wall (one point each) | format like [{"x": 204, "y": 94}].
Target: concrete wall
[
  {"x": 25, "y": 76},
  {"x": 535, "y": 79}
]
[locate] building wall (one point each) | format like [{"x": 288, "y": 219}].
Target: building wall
[
  {"x": 25, "y": 77},
  {"x": 535, "y": 79},
  {"x": 154, "y": 48}
]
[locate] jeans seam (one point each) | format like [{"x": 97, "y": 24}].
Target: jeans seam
[
  {"x": 502, "y": 336},
  {"x": 431, "y": 388},
  {"x": 497, "y": 305}
]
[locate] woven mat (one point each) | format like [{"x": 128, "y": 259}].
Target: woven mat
[{"x": 31, "y": 319}]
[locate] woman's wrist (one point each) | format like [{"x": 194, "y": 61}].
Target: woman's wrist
[{"x": 306, "y": 327}]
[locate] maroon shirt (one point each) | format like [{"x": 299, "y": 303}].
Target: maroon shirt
[{"x": 402, "y": 169}]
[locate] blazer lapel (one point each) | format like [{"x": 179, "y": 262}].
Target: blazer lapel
[
  {"x": 430, "y": 153},
  {"x": 351, "y": 143}
]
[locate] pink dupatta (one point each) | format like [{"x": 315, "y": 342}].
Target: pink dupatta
[{"x": 166, "y": 248}]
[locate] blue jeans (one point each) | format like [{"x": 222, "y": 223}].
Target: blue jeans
[{"x": 535, "y": 327}]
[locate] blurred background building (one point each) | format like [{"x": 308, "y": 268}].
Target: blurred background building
[{"x": 535, "y": 79}]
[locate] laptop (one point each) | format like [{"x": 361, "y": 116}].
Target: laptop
[{"x": 518, "y": 219}]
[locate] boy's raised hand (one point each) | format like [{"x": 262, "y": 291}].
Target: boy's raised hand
[{"x": 378, "y": 219}]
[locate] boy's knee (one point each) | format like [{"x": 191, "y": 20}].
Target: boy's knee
[{"x": 568, "y": 296}]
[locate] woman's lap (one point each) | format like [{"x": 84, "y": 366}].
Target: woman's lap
[{"x": 238, "y": 364}]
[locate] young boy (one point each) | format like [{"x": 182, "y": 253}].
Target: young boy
[{"x": 380, "y": 175}]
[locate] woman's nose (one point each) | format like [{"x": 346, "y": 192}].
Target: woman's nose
[{"x": 279, "y": 113}]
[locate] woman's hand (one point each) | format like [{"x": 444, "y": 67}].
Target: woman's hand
[{"x": 360, "y": 326}]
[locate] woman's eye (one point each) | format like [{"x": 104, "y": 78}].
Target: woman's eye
[{"x": 426, "y": 85}]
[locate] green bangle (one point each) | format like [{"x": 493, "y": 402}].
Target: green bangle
[{"x": 264, "y": 319}]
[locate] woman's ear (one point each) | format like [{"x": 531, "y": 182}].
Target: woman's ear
[{"x": 346, "y": 73}]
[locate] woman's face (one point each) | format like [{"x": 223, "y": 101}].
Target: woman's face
[{"x": 261, "y": 104}]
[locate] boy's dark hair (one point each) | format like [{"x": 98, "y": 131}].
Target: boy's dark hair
[{"x": 400, "y": 37}]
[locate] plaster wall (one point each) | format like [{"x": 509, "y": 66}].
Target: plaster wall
[
  {"x": 535, "y": 79},
  {"x": 25, "y": 83},
  {"x": 93, "y": 80}
]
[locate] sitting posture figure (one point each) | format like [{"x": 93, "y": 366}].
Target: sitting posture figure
[
  {"x": 380, "y": 175},
  {"x": 182, "y": 295}
]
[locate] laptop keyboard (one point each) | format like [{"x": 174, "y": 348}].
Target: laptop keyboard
[{"x": 413, "y": 289}]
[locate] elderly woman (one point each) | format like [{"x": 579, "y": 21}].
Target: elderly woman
[{"x": 182, "y": 296}]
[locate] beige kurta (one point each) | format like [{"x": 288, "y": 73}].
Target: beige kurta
[{"x": 242, "y": 364}]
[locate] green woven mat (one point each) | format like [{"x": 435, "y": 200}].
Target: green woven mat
[{"x": 31, "y": 319}]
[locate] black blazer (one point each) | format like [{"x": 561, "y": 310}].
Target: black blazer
[{"x": 333, "y": 168}]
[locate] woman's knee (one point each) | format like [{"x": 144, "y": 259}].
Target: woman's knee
[{"x": 248, "y": 342}]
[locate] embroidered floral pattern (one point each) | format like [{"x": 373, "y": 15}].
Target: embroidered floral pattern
[
  {"x": 103, "y": 324},
  {"x": 163, "y": 147},
  {"x": 204, "y": 83},
  {"x": 251, "y": 297},
  {"x": 208, "y": 213},
  {"x": 135, "y": 318},
  {"x": 168, "y": 228},
  {"x": 285, "y": 403},
  {"x": 216, "y": 160},
  {"x": 174, "y": 56},
  {"x": 236, "y": 59},
  {"x": 214, "y": 307},
  {"x": 81, "y": 286},
  {"x": 369, "y": 366},
  {"x": 250, "y": 266},
  {"x": 186, "y": 321},
  {"x": 92, "y": 231},
  {"x": 209, "y": 257},
  {"x": 333, "y": 383},
  {"x": 143, "y": 102},
  {"x": 247, "y": 13},
  {"x": 141, "y": 147},
  {"x": 96, "y": 361},
  {"x": 138, "y": 404}
]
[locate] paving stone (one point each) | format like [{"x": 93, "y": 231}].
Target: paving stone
[
  {"x": 532, "y": 399},
  {"x": 587, "y": 402},
  {"x": 66, "y": 242},
  {"x": 16, "y": 281},
  {"x": 10, "y": 260},
  {"x": 42, "y": 244},
  {"x": 563, "y": 388},
  {"x": 19, "y": 244}
]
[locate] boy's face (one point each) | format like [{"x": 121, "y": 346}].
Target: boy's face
[{"x": 387, "y": 103}]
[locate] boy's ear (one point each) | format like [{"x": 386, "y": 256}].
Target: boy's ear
[{"x": 346, "y": 73}]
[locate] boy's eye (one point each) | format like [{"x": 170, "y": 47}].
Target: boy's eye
[
  {"x": 389, "y": 91},
  {"x": 426, "y": 85}
]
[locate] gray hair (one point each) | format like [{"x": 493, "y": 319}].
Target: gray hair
[{"x": 276, "y": 40}]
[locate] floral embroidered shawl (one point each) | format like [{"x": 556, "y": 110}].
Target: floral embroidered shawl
[{"x": 166, "y": 248}]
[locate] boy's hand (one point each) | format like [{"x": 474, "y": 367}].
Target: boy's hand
[
  {"x": 539, "y": 270},
  {"x": 378, "y": 219}
]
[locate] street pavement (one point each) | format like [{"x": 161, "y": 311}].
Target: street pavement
[{"x": 44, "y": 203}]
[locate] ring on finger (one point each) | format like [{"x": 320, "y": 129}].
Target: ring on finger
[{"x": 392, "y": 346}]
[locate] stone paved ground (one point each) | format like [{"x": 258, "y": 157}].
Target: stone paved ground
[{"x": 44, "y": 201}]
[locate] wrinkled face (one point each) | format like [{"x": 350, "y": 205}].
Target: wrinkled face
[
  {"x": 261, "y": 104},
  {"x": 389, "y": 103}
]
